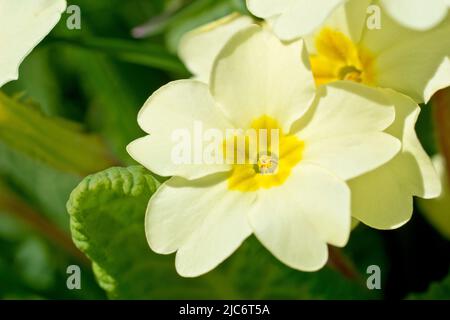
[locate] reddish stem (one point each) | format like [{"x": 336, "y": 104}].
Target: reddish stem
[
  {"x": 342, "y": 264},
  {"x": 441, "y": 112}
]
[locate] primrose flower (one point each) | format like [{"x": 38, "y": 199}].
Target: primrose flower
[
  {"x": 411, "y": 62},
  {"x": 412, "y": 168},
  {"x": 326, "y": 137},
  {"x": 292, "y": 19},
  {"x": 389, "y": 204},
  {"x": 23, "y": 24}
]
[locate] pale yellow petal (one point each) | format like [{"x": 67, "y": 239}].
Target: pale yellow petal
[
  {"x": 176, "y": 118},
  {"x": 421, "y": 175},
  {"x": 383, "y": 198},
  {"x": 417, "y": 14},
  {"x": 410, "y": 61},
  {"x": 268, "y": 8},
  {"x": 303, "y": 17},
  {"x": 258, "y": 75},
  {"x": 350, "y": 156},
  {"x": 345, "y": 108},
  {"x": 199, "y": 48},
  {"x": 296, "y": 220},
  {"x": 202, "y": 220}
]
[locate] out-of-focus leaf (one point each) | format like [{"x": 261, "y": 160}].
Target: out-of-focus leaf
[
  {"x": 57, "y": 142},
  {"x": 366, "y": 248},
  {"x": 118, "y": 17},
  {"x": 46, "y": 157},
  {"x": 426, "y": 130},
  {"x": 38, "y": 79},
  {"x": 107, "y": 220},
  {"x": 190, "y": 13},
  {"x": 112, "y": 73},
  {"x": 157, "y": 23},
  {"x": 132, "y": 51},
  {"x": 30, "y": 268},
  {"x": 437, "y": 291},
  {"x": 33, "y": 263},
  {"x": 10, "y": 229},
  {"x": 113, "y": 104}
]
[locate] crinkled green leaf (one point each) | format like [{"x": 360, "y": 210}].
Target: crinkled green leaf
[
  {"x": 437, "y": 291},
  {"x": 107, "y": 220}
]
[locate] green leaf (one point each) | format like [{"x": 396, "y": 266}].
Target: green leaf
[
  {"x": 107, "y": 221},
  {"x": 366, "y": 248},
  {"x": 99, "y": 72},
  {"x": 46, "y": 157},
  {"x": 437, "y": 291},
  {"x": 30, "y": 268},
  {"x": 111, "y": 95},
  {"x": 54, "y": 141},
  {"x": 426, "y": 130},
  {"x": 39, "y": 80},
  {"x": 133, "y": 51}
]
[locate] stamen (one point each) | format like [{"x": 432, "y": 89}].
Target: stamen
[
  {"x": 267, "y": 164},
  {"x": 350, "y": 73}
]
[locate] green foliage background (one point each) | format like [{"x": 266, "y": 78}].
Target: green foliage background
[{"x": 71, "y": 114}]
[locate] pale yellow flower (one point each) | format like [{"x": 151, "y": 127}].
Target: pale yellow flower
[
  {"x": 329, "y": 136},
  {"x": 382, "y": 199},
  {"x": 415, "y": 63}
]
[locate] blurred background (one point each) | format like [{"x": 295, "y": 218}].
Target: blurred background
[{"x": 74, "y": 110}]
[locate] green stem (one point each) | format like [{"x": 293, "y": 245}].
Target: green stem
[{"x": 130, "y": 51}]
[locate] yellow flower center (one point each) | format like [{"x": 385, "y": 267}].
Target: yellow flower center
[
  {"x": 338, "y": 58},
  {"x": 273, "y": 164}
]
